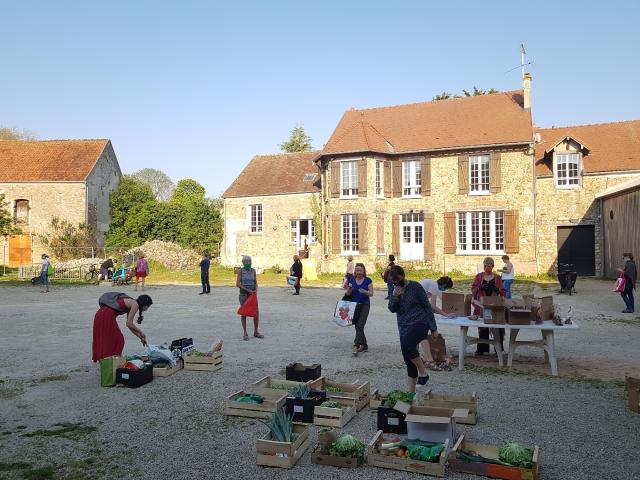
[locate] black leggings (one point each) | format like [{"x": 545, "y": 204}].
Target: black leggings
[
  {"x": 409, "y": 342},
  {"x": 359, "y": 321}
]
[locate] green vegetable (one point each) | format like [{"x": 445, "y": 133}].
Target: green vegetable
[
  {"x": 425, "y": 454},
  {"x": 301, "y": 391},
  {"x": 281, "y": 426},
  {"x": 347, "y": 446},
  {"x": 330, "y": 404},
  {"x": 398, "y": 395},
  {"x": 250, "y": 398},
  {"x": 474, "y": 457},
  {"x": 161, "y": 365},
  {"x": 279, "y": 386},
  {"x": 516, "y": 455},
  {"x": 333, "y": 389},
  {"x": 196, "y": 353}
]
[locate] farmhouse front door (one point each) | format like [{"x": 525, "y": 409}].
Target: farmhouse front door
[{"x": 412, "y": 237}]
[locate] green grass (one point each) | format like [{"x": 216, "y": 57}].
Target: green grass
[
  {"x": 626, "y": 321},
  {"x": 72, "y": 431},
  {"x": 9, "y": 467}
]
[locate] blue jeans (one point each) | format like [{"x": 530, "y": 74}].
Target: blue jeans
[
  {"x": 627, "y": 296},
  {"x": 45, "y": 279},
  {"x": 507, "y": 287}
]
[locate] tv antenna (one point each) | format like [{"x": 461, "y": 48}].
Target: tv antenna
[{"x": 523, "y": 53}]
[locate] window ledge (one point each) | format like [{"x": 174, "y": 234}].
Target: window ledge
[
  {"x": 351, "y": 197},
  {"x": 411, "y": 196},
  {"x": 479, "y": 194},
  {"x": 346, "y": 254},
  {"x": 568, "y": 187},
  {"x": 256, "y": 233},
  {"x": 465, "y": 253}
]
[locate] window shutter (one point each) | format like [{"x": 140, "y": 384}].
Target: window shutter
[
  {"x": 336, "y": 234},
  {"x": 495, "y": 176},
  {"x": 380, "y": 234},
  {"x": 388, "y": 189},
  {"x": 335, "y": 179},
  {"x": 426, "y": 176},
  {"x": 397, "y": 179},
  {"x": 450, "y": 232},
  {"x": 363, "y": 240},
  {"x": 511, "y": 232},
  {"x": 463, "y": 174},
  {"x": 362, "y": 177},
  {"x": 429, "y": 237},
  {"x": 395, "y": 232}
]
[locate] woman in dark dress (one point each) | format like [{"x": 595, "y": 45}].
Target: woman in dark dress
[
  {"x": 486, "y": 284},
  {"x": 296, "y": 271}
]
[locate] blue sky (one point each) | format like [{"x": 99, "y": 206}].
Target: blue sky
[{"x": 196, "y": 88}]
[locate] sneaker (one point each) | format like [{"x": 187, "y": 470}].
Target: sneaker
[
  {"x": 201, "y": 293},
  {"x": 423, "y": 380},
  {"x": 355, "y": 350}
]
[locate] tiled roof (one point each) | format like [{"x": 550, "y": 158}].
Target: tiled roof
[
  {"x": 277, "y": 174},
  {"x": 611, "y": 147},
  {"x": 438, "y": 125},
  {"x": 48, "y": 160}
]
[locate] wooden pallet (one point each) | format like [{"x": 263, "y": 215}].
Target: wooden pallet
[
  {"x": 203, "y": 364},
  {"x": 358, "y": 392},
  {"x": 283, "y": 454},
  {"x": 488, "y": 469},
  {"x": 377, "y": 459},
  {"x": 335, "y": 417},
  {"x": 272, "y": 402},
  {"x": 469, "y": 402},
  {"x": 167, "y": 371}
]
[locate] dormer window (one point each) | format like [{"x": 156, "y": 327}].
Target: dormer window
[{"x": 568, "y": 170}]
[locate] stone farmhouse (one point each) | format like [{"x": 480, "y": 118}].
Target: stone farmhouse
[
  {"x": 446, "y": 183},
  {"x": 68, "y": 179}
]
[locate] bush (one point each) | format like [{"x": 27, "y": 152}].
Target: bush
[{"x": 67, "y": 241}]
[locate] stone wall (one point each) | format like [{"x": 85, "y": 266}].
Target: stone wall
[
  {"x": 103, "y": 179},
  {"x": 516, "y": 193},
  {"x": 273, "y": 246}
]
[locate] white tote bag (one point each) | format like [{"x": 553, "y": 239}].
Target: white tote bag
[{"x": 344, "y": 312}]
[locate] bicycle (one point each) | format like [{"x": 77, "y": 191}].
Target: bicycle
[{"x": 92, "y": 275}]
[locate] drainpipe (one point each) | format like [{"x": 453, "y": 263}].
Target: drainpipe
[{"x": 534, "y": 182}]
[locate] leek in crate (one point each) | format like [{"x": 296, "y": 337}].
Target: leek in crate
[{"x": 281, "y": 426}]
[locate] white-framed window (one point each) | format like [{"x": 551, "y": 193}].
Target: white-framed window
[
  {"x": 380, "y": 179},
  {"x": 350, "y": 233},
  {"x": 313, "y": 238},
  {"x": 480, "y": 232},
  {"x": 293, "y": 238},
  {"x": 349, "y": 179},
  {"x": 255, "y": 217},
  {"x": 21, "y": 212},
  {"x": 411, "y": 178},
  {"x": 479, "y": 174},
  {"x": 568, "y": 170}
]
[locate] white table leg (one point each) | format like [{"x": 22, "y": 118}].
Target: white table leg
[
  {"x": 463, "y": 347},
  {"x": 496, "y": 343},
  {"x": 550, "y": 347},
  {"x": 513, "y": 333}
]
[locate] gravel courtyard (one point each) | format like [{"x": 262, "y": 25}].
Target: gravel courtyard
[{"x": 175, "y": 427}]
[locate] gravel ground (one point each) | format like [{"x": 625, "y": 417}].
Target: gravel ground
[{"x": 174, "y": 426}]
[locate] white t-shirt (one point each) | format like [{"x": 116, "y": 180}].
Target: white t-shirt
[
  {"x": 431, "y": 287},
  {"x": 511, "y": 275}
]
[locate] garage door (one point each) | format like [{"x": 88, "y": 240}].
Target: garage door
[{"x": 576, "y": 245}]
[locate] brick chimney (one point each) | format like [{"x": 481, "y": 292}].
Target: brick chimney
[{"x": 526, "y": 87}]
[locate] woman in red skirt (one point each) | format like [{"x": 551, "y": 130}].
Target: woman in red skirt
[{"x": 107, "y": 337}]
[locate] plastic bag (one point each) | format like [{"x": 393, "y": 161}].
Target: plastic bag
[
  {"x": 160, "y": 354},
  {"x": 344, "y": 312},
  {"x": 250, "y": 306},
  {"x": 291, "y": 280},
  {"x": 620, "y": 284},
  {"x": 345, "y": 283}
]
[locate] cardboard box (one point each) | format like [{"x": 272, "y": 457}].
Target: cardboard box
[
  {"x": 457, "y": 304},
  {"x": 633, "y": 393},
  {"x": 519, "y": 316},
  {"x": 430, "y": 424},
  {"x": 438, "y": 348},
  {"x": 321, "y": 455},
  {"x": 469, "y": 402},
  {"x": 493, "y": 310},
  {"x": 457, "y": 463},
  {"x": 542, "y": 307}
]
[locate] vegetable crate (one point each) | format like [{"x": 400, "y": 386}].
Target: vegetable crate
[
  {"x": 359, "y": 393},
  {"x": 272, "y": 402},
  {"x": 167, "y": 371},
  {"x": 272, "y": 383},
  {"x": 377, "y": 400},
  {"x": 633, "y": 393},
  {"x": 376, "y": 458},
  {"x": 335, "y": 417},
  {"x": 298, "y": 372},
  {"x": 303, "y": 409},
  {"x": 203, "y": 364},
  {"x": 469, "y": 402},
  {"x": 490, "y": 470},
  {"x": 321, "y": 454},
  {"x": 283, "y": 454}
]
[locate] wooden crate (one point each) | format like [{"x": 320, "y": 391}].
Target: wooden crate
[
  {"x": 488, "y": 469},
  {"x": 335, "y": 417},
  {"x": 633, "y": 393},
  {"x": 282, "y": 454},
  {"x": 167, "y": 371},
  {"x": 376, "y": 459},
  {"x": 203, "y": 364},
  {"x": 469, "y": 402},
  {"x": 272, "y": 383},
  {"x": 321, "y": 456},
  {"x": 376, "y": 399},
  {"x": 358, "y": 392},
  {"x": 272, "y": 402}
]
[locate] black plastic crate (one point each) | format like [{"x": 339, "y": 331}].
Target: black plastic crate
[
  {"x": 303, "y": 409},
  {"x": 297, "y": 372},
  {"x": 391, "y": 421},
  {"x": 181, "y": 346},
  {"x": 134, "y": 378}
]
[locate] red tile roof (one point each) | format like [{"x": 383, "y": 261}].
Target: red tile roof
[
  {"x": 48, "y": 160},
  {"x": 438, "y": 125},
  {"x": 277, "y": 174},
  {"x": 611, "y": 147}
]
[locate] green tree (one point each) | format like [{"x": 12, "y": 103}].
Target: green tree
[
  {"x": 132, "y": 212},
  {"x": 476, "y": 92},
  {"x": 159, "y": 182},
  {"x": 67, "y": 241},
  {"x": 7, "y": 133},
  {"x": 7, "y": 223},
  {"x": 442, "y": 96},
  {"x": 298, "y": 141},
  {"x": 188, "y": 190}
]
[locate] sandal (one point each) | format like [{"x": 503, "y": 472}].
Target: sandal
[
  {"x": 245, "y": 338},
  {"x": 258, "y": 335},
  {"x": 433, "y": 366}
]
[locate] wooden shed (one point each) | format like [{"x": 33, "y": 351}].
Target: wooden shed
[{"x": 620, "y": 217}]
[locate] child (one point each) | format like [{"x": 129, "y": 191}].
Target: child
[{"x": 142, "y": 270}]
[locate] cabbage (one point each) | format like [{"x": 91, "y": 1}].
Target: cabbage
[
  {"x": 347, "y": 446},
  {"x": 516, "y": 455}
]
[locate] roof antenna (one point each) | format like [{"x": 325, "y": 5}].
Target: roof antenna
[{"x": 523, "y": 52}]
